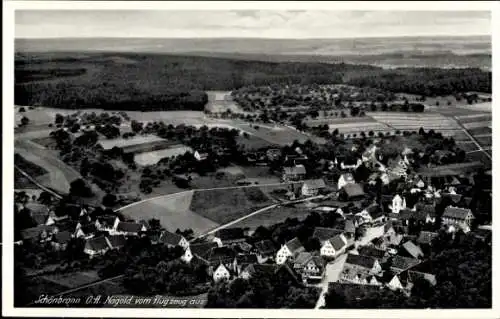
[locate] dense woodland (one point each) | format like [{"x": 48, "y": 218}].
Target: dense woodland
[{"x": 168, "y": 82}]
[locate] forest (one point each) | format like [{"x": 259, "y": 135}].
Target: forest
[{"x": 132, "y": 81}]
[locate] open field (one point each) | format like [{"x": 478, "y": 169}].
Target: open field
[
  {"x": 481, "y": 157},
  {"x": 173, "y": 211},
  {"x": 475, "y": 125},
  {"x": 106, "y": 288},
  {"x": 339, "y": 120},
  {"x": 273, "y": 216},
  {"x": 454, "y": 169},
  {"x": 225, "y": 205},
  {"x": 221, "y": 101},
  {"x": 277, "y": 134},
  {"x": 151, "y": 158}
]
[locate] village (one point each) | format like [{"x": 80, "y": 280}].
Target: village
[{"x": 379, "y": 222}]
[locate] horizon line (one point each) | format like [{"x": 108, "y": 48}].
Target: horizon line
[{"x": 260, "y": 38}]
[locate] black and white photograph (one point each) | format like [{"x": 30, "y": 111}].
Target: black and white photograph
[{"x": 205, "y": 158}]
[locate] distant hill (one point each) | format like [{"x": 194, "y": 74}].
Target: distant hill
[{"x": 472, "y": 51}]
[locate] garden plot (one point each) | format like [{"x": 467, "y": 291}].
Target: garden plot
[
  {"x": 152, "y": 158},
  {"x": 484, "y": 140},
  {"x": 74, "y": 279},
  {"x": 408, "y": 121}
]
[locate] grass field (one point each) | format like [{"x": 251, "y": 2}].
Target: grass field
[
  {"x": 475, "y": 118},
  {"x": 413, "y": 121},
  {"x": 224, "y": 205},
  {"x": 481, "y": 157},
  {"x": 173, "y": 211}
]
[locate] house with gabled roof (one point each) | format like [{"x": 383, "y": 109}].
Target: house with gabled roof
[
  {"x": 129, "y": 229},
  {"x": 426, "y": 237},
  {"x": 351, "y": 192},
  {"x": 409, "y": 249},
  {"x": 312, "y": 187},
  {"x": 401, "y": 263},
  {"x": 116, "y": 241},
  {"x": 201, "y": 251},
  {"x": 309, "y": 266},
  {"x": 398, "y": 203},
  {"x": 289, "y": 250},
  {"x": 350, "y": 163},
  {"x": 172, "y": 239},
  {"x": 294, "y": 173},
  {"x": 265, "y": 249},
  {"x": 258, "y": 270},
  {"x": 456, "y": 217},
  {"x": 229, "y": 236},
  {"x": 334, "y": 246},
  {"x": 344, "y": 179},
  {"x": 107, "y": 222},
  {"x": 41, "y": 233},
  {"x": 96, "y": 246},
  {"x": 243, "y": 260},
  {"x": 222, "y": 255},
  {"x": 363, "y": 263},
  {"x": 60, "y": 240},
  {"x": 86, "y": 230},
  {"x": 370, "y": 251},
  {"x": 222, "y": 272},
  {"x": 324, "y": 233}
]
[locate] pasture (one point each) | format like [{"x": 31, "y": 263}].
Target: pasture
[
  {"x": 413, "y": 121},
  {"x": 172, "y": 210},
  {"x": 475, "y": 125},
  {"x": 152, "y": 158}
]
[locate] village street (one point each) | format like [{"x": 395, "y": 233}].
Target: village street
[{"x": 333, "y": 268}]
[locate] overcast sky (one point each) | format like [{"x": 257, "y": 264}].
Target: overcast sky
[{"x": 251, "y": 23}]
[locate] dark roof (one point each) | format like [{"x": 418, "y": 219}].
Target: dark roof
[
  {"x": 337, "y": 242},
  {"x": 96, "y": 243},
  {"x": 294, "y": 245},
  {"x": 405, "y": 214},
  {"x": 323, "y": 233},
  {"x": 403, "y": 263},
  {"x": 221, "y": 255},
  {"x": 246, "y": 259},
  {"x": 67, "y": 224},
  {"x": 375, "y": 211},
  {"x": 202, "y": 250},
  {"x": 413, "y": 249},
  {"x": 129, "y": 227},
  {"x": 353, "y": 190},
  {"x": 117, "y": 241},
  {"x": 426, "y": 237},
  {"x": 265, "y": 247},
  {"x": 302, "y": 258},
  {"x": 33, "y": 232},
  {"x": 378, "y": 241},
  {"x": 350, "y": 160},
  {"x": 230, "y": 234},
  {"x": 456, "y": 212},
  {"x": 62, "y": 237},
  {"x": 455, "y": 198},
  {"x": 371, "y": 252},
  {"x": 89, "y": 228},
  {"x": 107, "y": 220},
  {"x": 360, "y": 260},
  {"x": 416, "y": 275},
  {"x": 169, "y": 238},
  {"x": 349, "y": 226}
]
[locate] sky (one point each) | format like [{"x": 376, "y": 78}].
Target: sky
[{"x": 248, "y": 23}]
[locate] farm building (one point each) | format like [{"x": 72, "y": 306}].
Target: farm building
[
  {"x": 313, "y": 187},
  {"x": 294, "y": 173}
]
